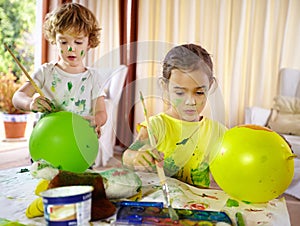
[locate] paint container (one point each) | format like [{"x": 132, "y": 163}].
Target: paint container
[{"x": 69, "y": 205}]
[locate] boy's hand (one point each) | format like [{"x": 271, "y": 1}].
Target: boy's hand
[
  {"x": 92, "y": 122},
  {"x": 41, "y": 104}
]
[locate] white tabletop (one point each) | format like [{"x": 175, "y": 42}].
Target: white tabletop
[{"x": 17, "y": 192}]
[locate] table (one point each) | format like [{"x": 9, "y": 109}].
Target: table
[{"x": 17, "y": 192}]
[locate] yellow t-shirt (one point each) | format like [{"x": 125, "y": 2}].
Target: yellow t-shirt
[{"x": 188, "y": 147}]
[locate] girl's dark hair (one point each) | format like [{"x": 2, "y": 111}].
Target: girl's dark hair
[{"x": 187, "y": 57}]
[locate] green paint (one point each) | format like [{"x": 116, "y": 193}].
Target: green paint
[
  {"x": 183, "y": 142},
  {"x": 70, "y": 49},
  {"x": 200, "y": 177},
  {"x": 170, "y": 166},
  {"x": 239, "y": 219},
  {"x": 81, "y": 53},
  {"x": 81, "y": 104},
  {"x": 64, "y": 103},
  {"x": 7, "y": 222},
  {"x": 185, "y": 212},
  {"x": 53, "y": 107},
  {"x": 70, "y": 85},
  {"x": 148, "y": 162},
  {"x": 54, "y": 82},
  {"x": 82, "y": 88},
  {"x": 83, "y": 79},
  {"x": 247, "y": 202},
  {"x": 24, "y": 170},
  {"x": 232, "y": 203},
  {"x": 136, "y": 145},
  {"x": 61, "y": 51},
  {"x": 177, "y": 102}
]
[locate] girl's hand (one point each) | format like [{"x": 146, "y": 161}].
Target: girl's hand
[
  {"x": 92, "y": 122},
  {"x": 41, "y": 104},
  {"x": 142, "y": 160}
]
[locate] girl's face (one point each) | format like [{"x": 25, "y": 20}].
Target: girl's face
[
  {"x": 187, "y": 94},
  {"x": 72, "y": 49}
]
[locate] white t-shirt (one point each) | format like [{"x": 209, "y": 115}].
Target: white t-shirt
[{"x": 69, "y": 92}]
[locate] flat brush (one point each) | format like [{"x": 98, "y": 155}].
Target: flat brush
[{"x": 160, "y": 169}]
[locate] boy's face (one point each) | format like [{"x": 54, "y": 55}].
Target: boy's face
[
  {"x": 72, "y": 48},
  {"x": 187, "y": 93}
]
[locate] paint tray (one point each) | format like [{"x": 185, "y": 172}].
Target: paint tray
[{"x": 154, "y": 213}]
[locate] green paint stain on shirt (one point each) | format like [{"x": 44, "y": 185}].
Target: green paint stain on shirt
[
  {"x": 82, "y": 88},
  {"x": 200, "y": 176},
  {"x": 81, "y": 104},
  {"x": 170, "y": 167},
  {"x": 54, "y": 82},
  {"x": 70, "y": 85}
]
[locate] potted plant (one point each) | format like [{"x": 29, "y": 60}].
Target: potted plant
[{"x": 14, "y": 120}]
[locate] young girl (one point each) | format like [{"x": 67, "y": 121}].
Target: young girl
[
  {"x": 186, "y": 141},
  {"x": 67, "y": 83}
]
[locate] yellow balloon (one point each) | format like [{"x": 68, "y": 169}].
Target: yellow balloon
[{"x": 254, "y": 164}]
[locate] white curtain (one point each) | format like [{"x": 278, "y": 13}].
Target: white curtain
[
  {"x": 249, "y": 40},
  {"x": 106, "y": 55}
]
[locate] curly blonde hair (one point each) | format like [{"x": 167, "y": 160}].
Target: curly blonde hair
[{"x": 75, "y": 18}]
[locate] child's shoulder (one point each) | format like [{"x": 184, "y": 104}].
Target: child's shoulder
[
  {"x": 93, "y": 71},
  {"x": 45, "y": 68},
  {"x": 50, "y": 64}
]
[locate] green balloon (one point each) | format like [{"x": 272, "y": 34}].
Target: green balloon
[{"x": 66, "y": 140}]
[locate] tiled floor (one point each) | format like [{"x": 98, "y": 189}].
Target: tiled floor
[{"x": 16, "y": 153}]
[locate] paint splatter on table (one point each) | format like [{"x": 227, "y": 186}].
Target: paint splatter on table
[{"x": 17, "y": 192}]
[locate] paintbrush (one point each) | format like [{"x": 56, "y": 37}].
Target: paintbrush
[
  {"x": 25, "y": 72},
  {"x": 160, "y": 169}
]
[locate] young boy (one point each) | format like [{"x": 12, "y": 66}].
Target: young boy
[{"x": 67, "y": 83}]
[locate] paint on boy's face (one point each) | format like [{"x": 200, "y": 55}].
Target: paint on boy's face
[{"x": 72, "y": 48}]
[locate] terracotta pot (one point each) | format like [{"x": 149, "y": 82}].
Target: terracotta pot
[{"x": 14, "y": 125}]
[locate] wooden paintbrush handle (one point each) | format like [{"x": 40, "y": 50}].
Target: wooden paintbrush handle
[{"x": 25, "y": 72}]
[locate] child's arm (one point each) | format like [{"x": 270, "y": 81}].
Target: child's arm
[
  {"x": 25, "y": 100},
  {"x": 100, "y": 112},
  {"x": 139, "y": 155},
  {"x": 100, "y": 115}
]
